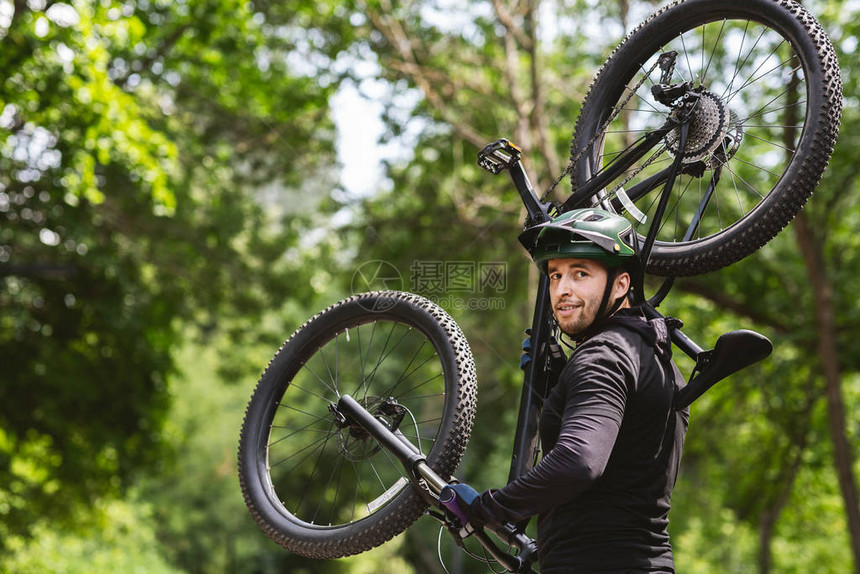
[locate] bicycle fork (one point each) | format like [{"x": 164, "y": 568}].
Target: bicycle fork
[{"x": 349, "y": 413}]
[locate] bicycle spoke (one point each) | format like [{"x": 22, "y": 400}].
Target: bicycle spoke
[
  {"x": 376, "y": 473},
  {"x": 419, "y": 437},
  {"x": 716, "y": 198},
  {"x": 311, "y": 393},
  {"x": 775, "y": 126},
  {"x": 628, "y": 131},
  {"x": 426, "y": 421},
  {"x": 414, "y": 397},
  {"x": 711, "y": 56},
  {"x": 777, "y": 67},
  {"x": 336, "y": 371},
  {"x": 295, "y": 431},
  {"x": 320, "y": 379},
  {"x": 737, "y": 61},
  {"x": 433, "y": 378},
  {"x": 674, "y": 207},
  {"x": 291, "y": 407},
  {"x": 382, "y": 357},
  {"x": 614, "y": 155},
  {"x": 677, "y": 206},
  {"x": 740, "y": 67},
  {"x": 364, "y": 366},
  {"x": 765, "y": 111},
  {"x": 761, "y": 110},
  {"x": 312, "y": 445},
  {"x": 310, "y": 480},
  {"x": 327, "y": 368},
  {"x": 394, "y": 463},
  {"x": 750, "y": 79},
  {"x": 333, "y": 515},
  {"x": 749, "y": 185},
  {"x": 322, "y": 498},
  {"x": 403, "y": 378},
  {"x": 771, "y": 143},
  {"x": 360, "y": 355},
  {"x": 358, "y": 487},
  {"x": 687, "y": 57},
  {"x": 757, "y": 167},
  {"x": 698, "y": 216},
  {"x": 646, "y": 102}
]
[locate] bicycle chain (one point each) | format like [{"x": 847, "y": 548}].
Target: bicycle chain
[
  {"x": 599, "y": 132},
  {"x": 636, "y": 172}
]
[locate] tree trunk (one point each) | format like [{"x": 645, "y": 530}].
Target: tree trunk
[
  {"x": 829, "y": 357},
  {"x": 771, "y": 514}
]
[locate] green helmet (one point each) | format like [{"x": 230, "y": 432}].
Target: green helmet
[{"x": 582, "y": 234}]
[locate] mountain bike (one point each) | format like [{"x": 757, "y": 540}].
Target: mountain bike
[{"x": 708, "y": 128}]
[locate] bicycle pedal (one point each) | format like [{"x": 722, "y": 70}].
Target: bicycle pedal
[{"x": 499, "y": 156}]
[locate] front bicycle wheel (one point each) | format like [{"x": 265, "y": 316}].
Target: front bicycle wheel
[
  {"x": 324, "y": 490},
  {"x": 769, "y": 104}
]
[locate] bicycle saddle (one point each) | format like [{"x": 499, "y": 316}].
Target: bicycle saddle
[{"x": 733, "y": 351}]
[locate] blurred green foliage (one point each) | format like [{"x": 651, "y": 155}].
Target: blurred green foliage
[{"x": 170, "y": 212}]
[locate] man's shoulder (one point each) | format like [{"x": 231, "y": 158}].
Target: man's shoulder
[
  {"x": 626, "y": 327},
  {"x": 610, "y": 345},
  {"x": 630, "y": 326},
  {"x": 624, "y": 337}
]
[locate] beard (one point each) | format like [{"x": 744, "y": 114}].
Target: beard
[{"x": 579, "y": 318}]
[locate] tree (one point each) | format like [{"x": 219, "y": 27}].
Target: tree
[
  {"x": 137, "y": 139},
  {"x": 161, "y": 166}
]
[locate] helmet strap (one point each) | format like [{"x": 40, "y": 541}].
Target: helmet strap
[{"x": 637, "y": 275}]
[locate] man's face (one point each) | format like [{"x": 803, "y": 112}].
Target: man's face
[{"x": 576, "y": 289}]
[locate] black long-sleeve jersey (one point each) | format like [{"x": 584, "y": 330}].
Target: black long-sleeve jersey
[{"x": 612, "y": 445}]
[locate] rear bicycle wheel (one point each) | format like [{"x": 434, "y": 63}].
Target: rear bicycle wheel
[
  {"x": 765, "y": 126},
  {"x": 325, "y": 491}
]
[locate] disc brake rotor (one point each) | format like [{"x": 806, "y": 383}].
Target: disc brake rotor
[{"x": 354, "y": 443}]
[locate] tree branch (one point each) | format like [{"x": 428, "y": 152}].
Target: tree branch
[
  {"x": 39, "y": 271},
  {"x": 540, "y": 125},
  {"x": 396, "y": 36},
  {"x": 511, "y": 27},
  {"x": 702, "y": 289},
  {"x": 438, "y": 77}
]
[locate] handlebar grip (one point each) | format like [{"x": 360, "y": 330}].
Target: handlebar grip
[{"x": 448, "y": 499}]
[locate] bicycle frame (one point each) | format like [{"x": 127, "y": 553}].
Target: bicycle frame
[
  {"x": 733, "y": 351},
  {"x": 536, "y": 361},
  {"x": 618, "y": 162}
]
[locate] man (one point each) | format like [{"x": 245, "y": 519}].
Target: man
[{"x": 610, "y": 437}]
